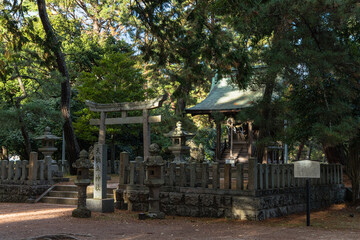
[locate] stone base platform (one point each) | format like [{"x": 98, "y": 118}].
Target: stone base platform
[{"x": 100, "y": 205}]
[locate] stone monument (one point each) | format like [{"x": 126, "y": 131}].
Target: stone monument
[
  {"x": 83, "y": 164},
  {"x": 100, "y": 203},
  {"x": 179, "y": 148},
  {"x": 154, "y": 179}
]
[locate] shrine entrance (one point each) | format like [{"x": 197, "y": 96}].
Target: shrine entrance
[{"x": 124, "y": 108}]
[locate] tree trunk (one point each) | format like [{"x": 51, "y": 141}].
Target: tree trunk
[
  {"x": 24, "y": 132},
  {"x": 265, "y": 125},
  {"x": 353, "y": 167},
  {"x": 335, "y": 154},
  {"x": 72, "y": 146},
  {"x": 301, "y": 147}
]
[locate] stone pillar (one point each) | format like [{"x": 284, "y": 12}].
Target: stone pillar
[
  {"x": 33, "y": 166},
  {"x": 100, "y": 203},
  {"x": 266, "y": 176},
  {"x": 123, "y": 174},
  {"x": 132, "y": 173},
  {"x": 10, "y": 174},
  {"x": 192, "y": 174},
  {"x": 215, "y": 175},
  {"x": 204, "y": 175},
  {"x": 227, "y": 176},
  {"x": 252, "y": 175},
  {"x": 41, "y": 169},
  {"x": 140, "y": 169},
  {"x": 17, "y": 174},
  {"x": 239, "y": 176},
  {"x": 182, "y": 175},
  {"x": 261, "y": 183},
  {"x": 4, "y": 164},
  {"x": 172, "y": 174}
]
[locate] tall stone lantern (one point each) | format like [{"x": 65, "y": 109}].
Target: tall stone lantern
[
  {"x": 47, "y": 149},
  {"x": 83, "y": 164},
  {"x": 154, "y": 179},
  {"x": 179, "y": 148}
]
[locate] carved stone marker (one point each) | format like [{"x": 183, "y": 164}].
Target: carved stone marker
[{"x": 100, "y": 203}]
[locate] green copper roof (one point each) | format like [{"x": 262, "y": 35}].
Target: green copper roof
[{"x": 225, "y": 96}]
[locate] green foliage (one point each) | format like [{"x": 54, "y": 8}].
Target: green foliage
[{"x": 206, "y": 137}]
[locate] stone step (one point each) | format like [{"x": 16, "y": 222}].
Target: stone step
[
  {"x": 65, "y": 188},
  {"x": 65, "y": 194},
  {"x": 74, "y": 194},
  {"x": 60, "y": 200}
]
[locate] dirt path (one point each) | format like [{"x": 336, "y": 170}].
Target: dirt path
[{"x": 29, "y": 221}]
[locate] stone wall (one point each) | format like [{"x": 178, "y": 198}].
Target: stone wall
[
  {"x": 218, "y": 203},
  {"x": 21, "y": 193}
]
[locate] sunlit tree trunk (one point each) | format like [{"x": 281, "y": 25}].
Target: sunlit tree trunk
[{"x": 72, "y": 146}]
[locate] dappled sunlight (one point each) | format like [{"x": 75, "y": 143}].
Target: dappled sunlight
[{"x": 34, "y": 215}]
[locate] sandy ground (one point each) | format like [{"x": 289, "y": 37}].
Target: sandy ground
[{"x": 36, "y": 221}]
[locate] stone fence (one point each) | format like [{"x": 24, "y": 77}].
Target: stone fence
[
  {"x": 32, "y": 171},
  {"x": 251, "y": 176},
  {"x": 245, "y": 191}
]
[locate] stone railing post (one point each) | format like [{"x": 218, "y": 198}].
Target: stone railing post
[
  {"x": 182, "y": 175},
  {"x": 24, "y": 169},
  {"x": 341, "y": 174},
  {"x": 227, "y": 176},
  {"x": 239, "y": 176},
  {"x": 253, "y": 172},
  {"x": 261, "y": 176},
  {"x": 204, "y": 175},
  {"x": 192, "y": 174},
  {"x": 33, "y": 166},
  {"x": 17, "y": 174},
  {"x": 124, "y": 162},
  {"x": 266, "y": 176},
  {"x": 10, "y": 174},
  {"x": 215, "y": 175},
  {"x": 41, "y": 169},
  {"x": 140, "y": 170},
  {"x": 4, "y": 164},
  {"x": 172, "y": 174},
  {"x": 132, "y": 173},
  {"x": 272, "y": 176}
]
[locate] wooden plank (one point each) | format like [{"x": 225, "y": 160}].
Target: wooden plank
[{"x": 126, "y": 120}]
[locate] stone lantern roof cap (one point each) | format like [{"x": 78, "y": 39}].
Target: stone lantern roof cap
[
  {"x": 83, "y": 161},
  {"x": 48, "y": 135},
  {"x": 178, "y": 132}
]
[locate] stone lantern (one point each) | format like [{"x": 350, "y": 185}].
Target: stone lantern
[
  {"x": 154, "y": 179},
  {"x": 179, "y": 148},
  {"x": 47, "y": 149},
  {"x": 83, "y": 164}
]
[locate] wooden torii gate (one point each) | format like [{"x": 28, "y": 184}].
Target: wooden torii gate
[{"x": 124, "y": 107}]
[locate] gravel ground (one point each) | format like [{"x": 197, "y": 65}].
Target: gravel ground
[{"x": 48, "y": 221}]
